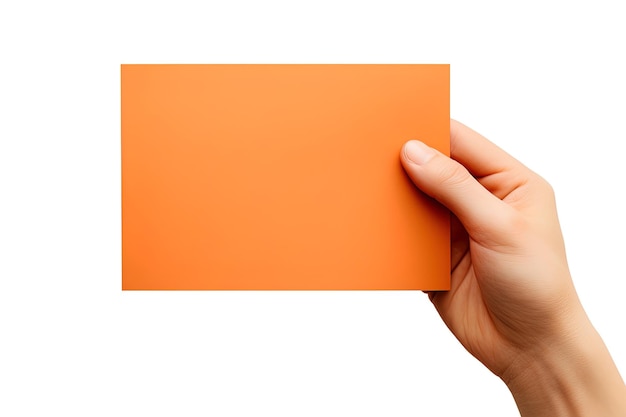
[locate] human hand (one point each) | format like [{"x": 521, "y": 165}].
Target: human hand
[{"x": 512, "y": 303}]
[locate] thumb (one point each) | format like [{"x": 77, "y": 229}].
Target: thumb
[{"x": 452, "y": 185}]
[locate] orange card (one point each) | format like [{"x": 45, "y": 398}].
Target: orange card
[{"x": 280, "y": 177}]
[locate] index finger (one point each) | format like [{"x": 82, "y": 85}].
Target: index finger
[{"x": 479, "y": 155}]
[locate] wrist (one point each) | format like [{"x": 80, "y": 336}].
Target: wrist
[{"x": 571, "y": 375}]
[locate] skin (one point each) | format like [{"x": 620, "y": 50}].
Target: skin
[{"x": 512, "y": 303}]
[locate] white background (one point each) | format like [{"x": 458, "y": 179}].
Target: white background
[{"x": 545, "y": 81}]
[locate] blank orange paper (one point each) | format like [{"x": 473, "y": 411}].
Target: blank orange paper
[{"x": 280, "y": 177}]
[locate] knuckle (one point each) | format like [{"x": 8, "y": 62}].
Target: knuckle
[
  {"x": 543, "y": 186},
  {"x": 452, "y": 174},
  {"x": 512, "y": 222}
]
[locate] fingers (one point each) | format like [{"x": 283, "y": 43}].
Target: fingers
[
  {"x": 480, "y": 156},
  {"x": 451, "y": 184}
]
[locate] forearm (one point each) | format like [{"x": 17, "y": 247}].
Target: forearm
[{"x": 574, "y": 377}]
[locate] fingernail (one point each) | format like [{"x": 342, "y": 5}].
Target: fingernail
[{"x": 417, "y": 152}]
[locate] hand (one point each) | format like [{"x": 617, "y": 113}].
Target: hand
[{"x": 512, "y": 303}]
